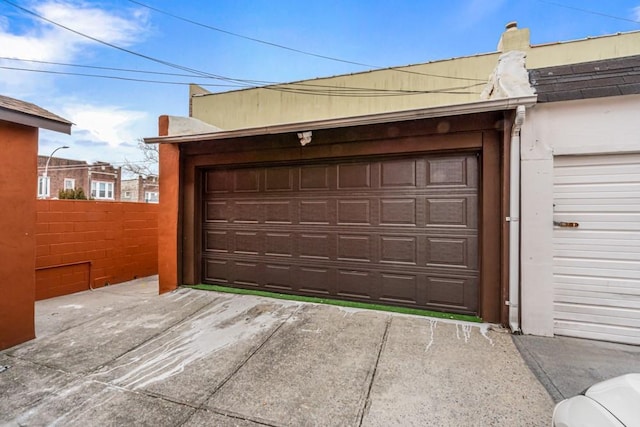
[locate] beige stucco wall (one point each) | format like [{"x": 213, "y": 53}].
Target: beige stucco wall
[
  {"x": 593, "y": 126},
  {"x": 261, "y": 107}
]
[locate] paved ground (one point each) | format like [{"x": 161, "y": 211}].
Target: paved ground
[
  {"x": 123, "y": 356},
  {"x": 567, "y": 366}
]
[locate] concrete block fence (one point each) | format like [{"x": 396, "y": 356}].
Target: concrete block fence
[{"x": 82, "y": 244}]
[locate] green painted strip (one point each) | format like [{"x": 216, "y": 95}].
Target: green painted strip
[{"x": 341, "y": 303}]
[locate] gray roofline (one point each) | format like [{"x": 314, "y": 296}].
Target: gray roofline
[
  {"x": 396, "y": 116},
  {"x": 35, "y": 121}
]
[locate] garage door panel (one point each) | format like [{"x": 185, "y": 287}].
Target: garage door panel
[
  {"x": 451, "y": 212},
  {"x": 249, "y": 243},
  {"x": 597, "y": 284},
  {"x": 316, "y": 211},
  {"x": 354, "y": 212},
  {"x": 349, "y": 284},
  {"x": 278, "y": 212},
  {"x": 627, "y": 254},
  {"x": 452, "y": 251},
  {"x": 451, "y": 172},
  {"x": 280, "y": 277},
  {"x": 355, "y": 248},
  {"x": 217, "y": 270},
  {"x": 246, "y": 180},
  {"x": 279, "y": 244},
  {"x": 602, "y": 301},
  {"x": 315, "y": 280},
  {"x": 216, "y": 182},
  {"x": 399, "y": 288},
  {"x": 279, "y": 179},
  {"x": 596, "y": 266},
  {"x": 597, "y": 331},
  {"x": 569, "y": 270},
  {"x": 246, "y": 273},
  {"x": 597, "y": 237},
  {"x": 398, "y": 174},
  {"x": 354, "y": 176},
  {"x": 317, "y": 245},
  {"x": 398, "y": 212},
  {"x": 216, "y": 211},
  {"x": 399, "y": 249},
  {"x": 314, "y": 177},
  {"x": 360, "y": 231},
  {"x": 451, "y": 293},
  {"x": 216, "y": 241},
  {"x": 614, "y": 315}
]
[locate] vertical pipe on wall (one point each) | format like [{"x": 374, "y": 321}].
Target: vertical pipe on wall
[{"x": 514, "y": 223}]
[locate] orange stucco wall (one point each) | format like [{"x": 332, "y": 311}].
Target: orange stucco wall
[
  {"x": 18, "y": 180},
  {"x": 82, "y": 243},
  {"x": 168, "y": 215}
]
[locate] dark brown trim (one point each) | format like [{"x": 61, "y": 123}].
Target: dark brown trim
[{"x": 490, "y": 229}]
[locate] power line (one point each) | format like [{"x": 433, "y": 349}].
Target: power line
[
  {"x": 131, "y": 52},
  {"x": 66, "y": 73},
  {"x": 128, "y": 70},
  {"x": 592, "y": 12},
  {"x": 311, "y": 90},
  {"x": 303, "y": 52},
  {"x": 241, "y": 82},
  {"x": 296, "y": 84}
]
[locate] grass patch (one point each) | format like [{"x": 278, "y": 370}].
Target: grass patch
[{"x": 341, "y": 303}]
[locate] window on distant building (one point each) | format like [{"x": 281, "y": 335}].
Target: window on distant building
[
  {"x": 102, "y": 190},
  {"x": 127, "y": 194},
  {"x": 69, "y": 183},
  {"x": 43, "y": 186},
  {"x": 151, "y": 196}
]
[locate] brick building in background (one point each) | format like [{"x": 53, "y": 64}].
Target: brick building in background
[
  {"x": 140, "y": 189},
  {"x": 100, "y": 180}
]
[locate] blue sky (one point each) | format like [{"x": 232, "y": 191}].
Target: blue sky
[{"x": 111, "y": 115}]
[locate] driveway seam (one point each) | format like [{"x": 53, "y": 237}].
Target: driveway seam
[
  {"x": 238, "y": 367},
  {"x": 383, "y": 343}
]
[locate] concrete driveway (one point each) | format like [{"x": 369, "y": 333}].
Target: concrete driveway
[{"x": 122, "y": 355}]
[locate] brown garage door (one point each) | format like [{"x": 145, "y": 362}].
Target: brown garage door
[{"x": 400, "y": 231}]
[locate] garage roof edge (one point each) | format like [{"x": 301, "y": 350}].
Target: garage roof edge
[{"x": 396, "y": 116}]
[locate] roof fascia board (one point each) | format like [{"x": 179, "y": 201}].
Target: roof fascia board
[
  {"x": 33, "y": 121},
  {"x": 396, "y": 116}
]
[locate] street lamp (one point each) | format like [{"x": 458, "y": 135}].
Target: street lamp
[{"x": 45, "y": 178}]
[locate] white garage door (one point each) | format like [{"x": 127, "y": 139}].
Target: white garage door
[{"x": 596, "y": 266}]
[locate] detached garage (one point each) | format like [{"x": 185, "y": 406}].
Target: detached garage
[{"x": 403, "y": 209}]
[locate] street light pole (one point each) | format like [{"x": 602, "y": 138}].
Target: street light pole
[{"x": 46, "y": 166}]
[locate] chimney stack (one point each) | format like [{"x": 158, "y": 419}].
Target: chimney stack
[{"x": 514, "y": 38}]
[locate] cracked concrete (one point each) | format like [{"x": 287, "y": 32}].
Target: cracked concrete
[{"x": 123, "y": 356}]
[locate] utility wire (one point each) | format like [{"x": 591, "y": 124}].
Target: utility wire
[
  {"x": 304, "y": 52},
  {"x": 298, "y": 84},
  {"x": 245, "y": 83},
  {"x": 66, "y": 73},
  {"x": 592, "y": 12},
  {"x": 131, "y": 52},
  {"x": 313, "y": 90}
]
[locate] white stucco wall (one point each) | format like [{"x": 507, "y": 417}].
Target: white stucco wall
[{"x": 594, "y": 126}]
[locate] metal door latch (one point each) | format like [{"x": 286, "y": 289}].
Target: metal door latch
[{"x": 566, "y": 224}]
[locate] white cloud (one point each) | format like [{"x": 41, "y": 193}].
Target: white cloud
[
  {"x": 636, "y": 13},
  {"x": 42, "y": 41},
  {"x": 111, "y": 124}
]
